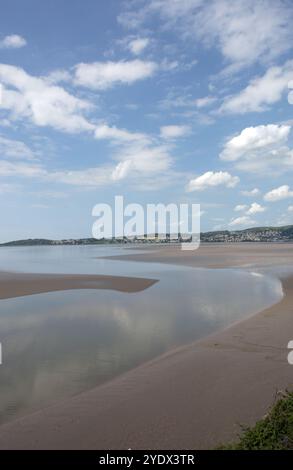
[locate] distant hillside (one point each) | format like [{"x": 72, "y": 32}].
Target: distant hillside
[
  {"x": 257, "y": 234},
  {"x": 45, "y": 242}
]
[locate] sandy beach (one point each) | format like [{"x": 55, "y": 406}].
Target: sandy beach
[
  {"x": 20, "y": 284},
  {"x": 194, "y": 397},
  {"x": 217, "y": 255}
]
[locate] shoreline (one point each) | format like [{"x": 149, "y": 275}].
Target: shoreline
[
  {"x": 190, "y": 397},
  {"x": 217, "y": 255}
]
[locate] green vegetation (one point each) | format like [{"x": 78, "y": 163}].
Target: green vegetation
[
  {"x": 273, "y": 432},
  {"x": 257, "y": 234}
]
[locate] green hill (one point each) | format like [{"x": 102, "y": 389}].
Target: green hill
[{"x": 257, "y": 234}]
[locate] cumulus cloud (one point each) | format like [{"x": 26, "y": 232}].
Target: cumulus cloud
[
  {"x": 251, "y": 192},
  {"x": 120, "y": 135},
  {"x": 33, "y": 98},
  {"x": 13, "y": 41},
  {"x": 290, "y": 209},
  {"x": 37, "y": 99},
  {"x": 104, "y": 75},
  {"x": 137, "y": 157},
  {"x": 145, "y": 159},
  {"x": 45, "y": 104},
  {"x": 277, "y": 194},
  {"x": 40, "y": 101},
  {"x": 240, "y": 207},
  {"x": 134, "y": 161},
  {"x": 88, "y": 177},
  {"x": 212, "y": 179},
  {"x": 244, "y": 32},
  {"x": 174, "y": 131},
  {"x": 121, "y": 170},
  {"x": 255, "y": 208},
  {"x": 252, "y": 139},
  {"x": 242, "y": 221},
  {"x": 261, "y": 92},
  {"x": 58, "y": 76},
  {"x": 260, "y": 148},
  {"x": 205, "y": 101},
  {"x": 138, "y": 45},
  {"x": 247, "y": 32},
  {"x": 137, "y": 154}
]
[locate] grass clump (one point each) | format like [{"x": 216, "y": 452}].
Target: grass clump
[{"x": 273, "y": 432}]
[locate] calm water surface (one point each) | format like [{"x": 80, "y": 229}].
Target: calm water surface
[{"x": 59, "y": 344}]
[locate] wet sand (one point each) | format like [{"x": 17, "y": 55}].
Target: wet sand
[
  {"x": 20, "y": 284},
  {"x": 217, "y": 255},
  {"x": 194, "y": 397}
]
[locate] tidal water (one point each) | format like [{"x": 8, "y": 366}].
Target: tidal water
[{"x": 58, "y": 344}]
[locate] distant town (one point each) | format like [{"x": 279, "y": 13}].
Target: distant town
[{"x": 259, "y": 234}]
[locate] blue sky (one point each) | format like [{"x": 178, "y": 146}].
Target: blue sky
[{"x": 158, "y": 100}]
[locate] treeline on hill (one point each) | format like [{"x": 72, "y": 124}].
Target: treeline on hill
[{"x": 258, "y": 234}]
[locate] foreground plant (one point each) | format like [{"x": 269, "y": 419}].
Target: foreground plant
[{"x": 273, "y": 432}]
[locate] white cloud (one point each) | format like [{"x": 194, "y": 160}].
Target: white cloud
[
  {"x": 138, "y": 45},
  {"x": 174, "y": 131},
  {"x": 242, "y": 221},
  {"x": 205, "y": 101},
  {"x": 167, "y": 65},
  {"x": 15, "y": 149},
  {"x": 260, "y": 148},
  {"x": 137, "y": 154},
  {"x": 121, "y": 170},
  {"x": 28, "y": 97},
  {"x": 212, "y": 179},
  {"x": 58, "y": 76},
  {"x": 145, "y": 159},
  {"x": 134, "y": 161},
  {"x": 244, "y": 32},
  {"x": 240, "y": 207},
  {"x": 104, "y": 75},
  {"x": 277, "y": 194},
  {"x": 255, "y": 208},
  {"x": 89, "y": 177},
  {"x": 13, "y": 41},
  {"x": 136, "y": 158},
  {"x": 39, "y": 100},
  {"x": 261, "y": 91},
  {"x": 247, "y": 32},
  {"x": 251, "y": 193},
  {"x": 290, "y": 208},
  {"x": 177, "y": 99},
  {"x": 252, "y": 139},
  {"x": 21, "y": 169},
  {"x": 120, "y": 135},
  {"x": 18, "y": 160},
  {"x": 36, "y": 99}
]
